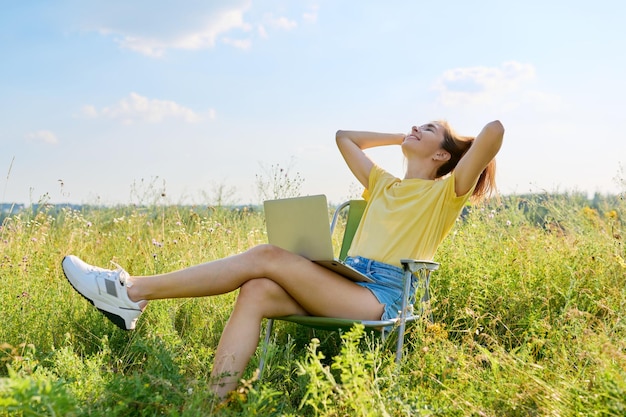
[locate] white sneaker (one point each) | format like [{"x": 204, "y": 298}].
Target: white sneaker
[{"x": 105, "y": 289}]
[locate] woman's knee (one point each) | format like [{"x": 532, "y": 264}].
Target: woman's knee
[
  {"x": 267, "y": 256},
  {"x": 266, "y": 250},
  {"x": 258, "y": 290},
  {"x": 265, "y": 298}
]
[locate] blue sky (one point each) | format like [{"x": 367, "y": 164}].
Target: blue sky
[{"x": 102, "y": 101}]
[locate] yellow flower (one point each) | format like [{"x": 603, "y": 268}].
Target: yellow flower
[
  {"x": 437, "y": 330},
  {"x": 590, "y": 213}
]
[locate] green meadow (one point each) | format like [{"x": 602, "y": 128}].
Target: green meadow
[{"x": 528, "y": 309}]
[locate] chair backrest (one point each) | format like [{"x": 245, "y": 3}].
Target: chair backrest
[{"x": 355, "y": 212}]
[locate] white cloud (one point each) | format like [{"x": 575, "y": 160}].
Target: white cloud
[
  {"x": 192, "y": 39},
  {"x": 311, "y": 15},
  {"x": 152, "y": 29},
  {"x": 136, "y": 108},
  {"x": 280, "y": 22},
  {"x": 142, "y": 27},
  {"x": 238, "y": 43},
  {"x": 44, "y": 136},
  {"x": 505, "y": 87}
]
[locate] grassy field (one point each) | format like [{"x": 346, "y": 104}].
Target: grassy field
[{"x": 529, "y": 320}]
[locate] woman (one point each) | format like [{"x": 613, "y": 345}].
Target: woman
[{"x": 404, "y": 218}]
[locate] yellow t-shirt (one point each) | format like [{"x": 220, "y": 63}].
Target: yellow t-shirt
[{"x": 405, "y": 218}]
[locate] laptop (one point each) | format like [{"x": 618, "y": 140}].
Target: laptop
[{"x": 300, "y": 225}]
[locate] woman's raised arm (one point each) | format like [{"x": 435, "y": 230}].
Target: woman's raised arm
[
  {"x": 352, "y": 143},
  {"x": 483, "y": 150}
]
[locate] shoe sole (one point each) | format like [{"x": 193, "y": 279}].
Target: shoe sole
[{"x": 105, "y": 309}]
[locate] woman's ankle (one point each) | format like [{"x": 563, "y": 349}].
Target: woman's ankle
[{"x": 132, "y": 291}]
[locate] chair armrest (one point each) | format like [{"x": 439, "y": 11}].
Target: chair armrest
[
  {"x": 333, "y": 223},
  {"x": 415, "y": 264}
]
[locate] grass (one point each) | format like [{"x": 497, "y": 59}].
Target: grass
[{"x": 529, "y": 308}]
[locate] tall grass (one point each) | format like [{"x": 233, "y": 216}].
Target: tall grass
[{"x": 528, "y": 311}]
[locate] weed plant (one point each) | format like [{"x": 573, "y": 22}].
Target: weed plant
[{"x": 528, "y": 320}]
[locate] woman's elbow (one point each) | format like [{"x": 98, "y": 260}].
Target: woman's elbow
[
  {"x": 339, "y": 134},
  {"x": 494, "y": 134},
  {"x": 496, "y": 127},
  {"x": 340, "y": 137}
]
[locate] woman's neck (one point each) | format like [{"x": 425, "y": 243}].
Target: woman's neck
[{"x": 420, "y": 170}]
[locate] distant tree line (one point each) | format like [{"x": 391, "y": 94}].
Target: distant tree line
[{"x": 537, "y": 206}]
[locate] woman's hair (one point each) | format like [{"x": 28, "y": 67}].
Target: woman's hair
[{"x": 457, "y": 146}]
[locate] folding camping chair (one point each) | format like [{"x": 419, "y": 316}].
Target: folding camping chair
[{"x": 419, "y": 269}]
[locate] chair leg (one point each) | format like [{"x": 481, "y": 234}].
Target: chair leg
[
  {"x": 268, "y": 334},
  {"x": 403, "y": 313}
]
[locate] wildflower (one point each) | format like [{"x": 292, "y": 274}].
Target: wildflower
[
  {"x": 437, "y": 330},
  {"x": 88, "y": 224},
  {"x": 590, "y": 213},
  {"x": 508, "y": 222},
  {"x": 157, "y": 243}
]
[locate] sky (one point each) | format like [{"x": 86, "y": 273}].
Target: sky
[{"x": 116, "y": 102}]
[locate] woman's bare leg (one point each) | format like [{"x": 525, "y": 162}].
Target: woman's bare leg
[
  {"x": 257, "y": 299},
  {"x": 273, "y": 283},
  {"x": 317, "y": 289}
]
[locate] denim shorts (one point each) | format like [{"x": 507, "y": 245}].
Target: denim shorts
[{"x": 387, "y": 285}]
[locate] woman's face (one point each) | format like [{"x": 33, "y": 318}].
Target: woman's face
[{"x": 423, "y": 140}]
